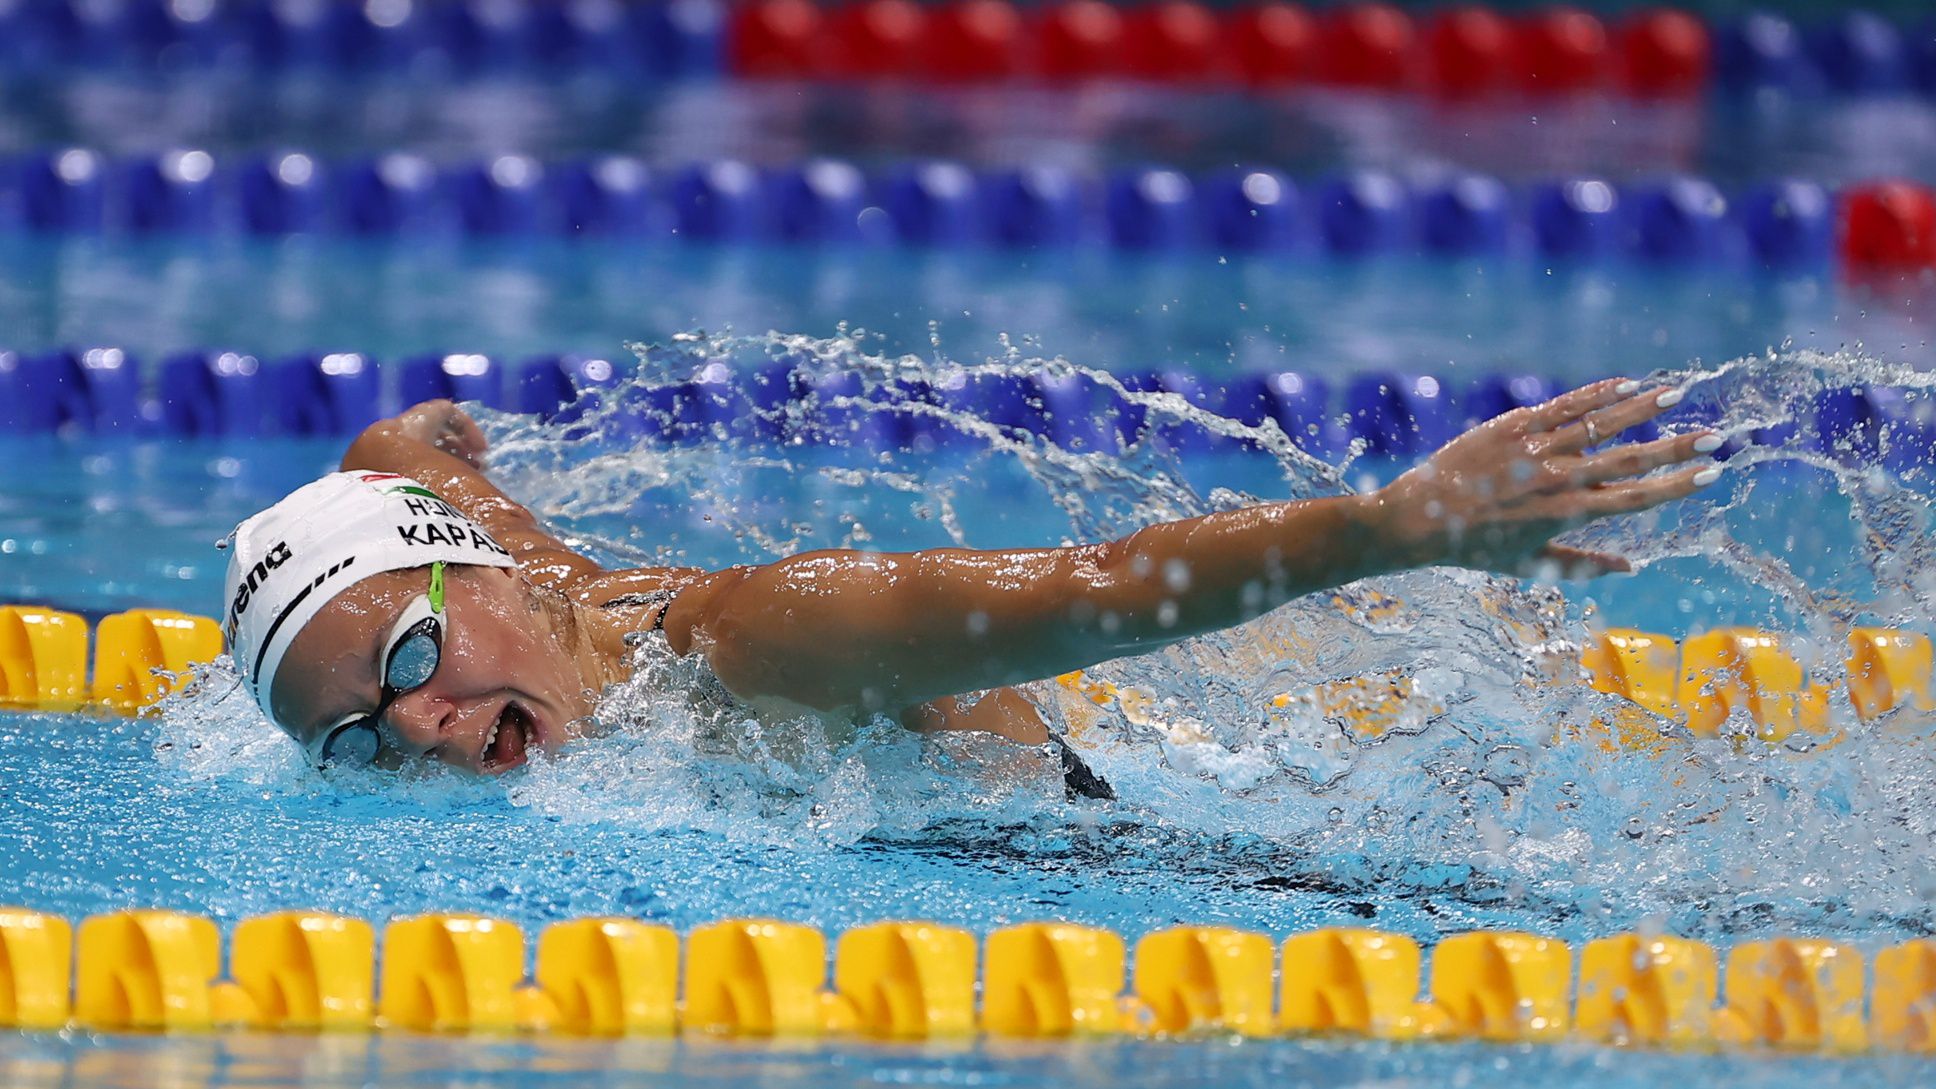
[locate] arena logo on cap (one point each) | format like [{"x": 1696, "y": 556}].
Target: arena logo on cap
[{"x": 277, "y": 555}]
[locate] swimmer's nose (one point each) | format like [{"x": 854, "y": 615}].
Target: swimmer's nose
[{"x": 419, "y": 721}]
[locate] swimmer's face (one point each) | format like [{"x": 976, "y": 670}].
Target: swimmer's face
[{"x": 504, "y": 684}]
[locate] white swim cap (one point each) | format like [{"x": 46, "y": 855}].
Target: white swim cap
[{"x": 286, "y": 563}]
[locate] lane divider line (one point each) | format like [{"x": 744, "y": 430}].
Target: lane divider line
[
  {"x": 139, "y": 656},
  {"x": 463, "y": 973},
  {"x": 1668, "y": 219}
]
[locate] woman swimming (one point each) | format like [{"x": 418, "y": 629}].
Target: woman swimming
[{"x": 405, "y": 608}]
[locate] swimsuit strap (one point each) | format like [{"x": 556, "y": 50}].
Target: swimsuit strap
[{"x": 644, "y": 598}]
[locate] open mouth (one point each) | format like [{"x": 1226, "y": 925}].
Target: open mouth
[{"x": 511, "y": 737}]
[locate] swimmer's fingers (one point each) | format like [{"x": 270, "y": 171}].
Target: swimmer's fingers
[
  {"x": 1633, "y": 496},
  {"x": 466, "y": 439},
  {"x": 1622, "y": 462},
  {"x": 1572, "y": 405},
  {"x": 1602, "y": 424},
  {"x": 1580, "y": 563}
]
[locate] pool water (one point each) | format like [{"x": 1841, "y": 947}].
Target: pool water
[
  {"x": 247, "y": 1062},
  {"x": 1734, "y": 140},
  {"x": 1480, "y": 807},
  {"x": 1216, "y": 313},
  {"x": 1479, "y": 811}
]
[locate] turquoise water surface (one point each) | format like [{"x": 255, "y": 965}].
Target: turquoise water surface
[
  {"x": 1478, "y": 808},
  {"x": 1478, "y": 814}
]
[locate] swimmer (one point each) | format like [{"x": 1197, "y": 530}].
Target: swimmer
[{"x": 405, "y": 609}]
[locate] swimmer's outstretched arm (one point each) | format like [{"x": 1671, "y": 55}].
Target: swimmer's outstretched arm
[
  {"x": 890, "y": 632},
  {"x": 894, "y": 632}
]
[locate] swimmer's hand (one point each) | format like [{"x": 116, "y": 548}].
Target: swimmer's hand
[
  {"x": 1496, "y": 496},
  {"x": 443, "y": 425}
]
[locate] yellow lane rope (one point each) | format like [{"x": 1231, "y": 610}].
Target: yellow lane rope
[{"x": 306, "y": 971}]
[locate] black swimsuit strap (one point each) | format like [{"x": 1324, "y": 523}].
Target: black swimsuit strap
[{"x": 644, "y": 598}]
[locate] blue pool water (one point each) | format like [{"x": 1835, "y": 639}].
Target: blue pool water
[
  {"x": 1734, "y": 140},
  {"x": 1478, "y": 813},
  {"x": 1480, "y": 810},
  {"x": 1217, "y": 313},
  {"x": 333, "y": 1062}
]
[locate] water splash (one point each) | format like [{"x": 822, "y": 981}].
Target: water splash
[{"x": 1413, "y": 735}]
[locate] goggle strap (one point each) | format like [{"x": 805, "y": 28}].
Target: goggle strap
[{"x": 437, "y": 587}]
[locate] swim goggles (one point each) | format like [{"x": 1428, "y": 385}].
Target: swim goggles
[{"x": 410, "y": 657}]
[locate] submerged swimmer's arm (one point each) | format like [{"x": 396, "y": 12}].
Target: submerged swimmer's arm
[
  {"x": 886, "y": 632},
  {"x": 438, "y": 444}
]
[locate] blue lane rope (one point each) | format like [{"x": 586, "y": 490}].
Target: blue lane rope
[
  {"x": 1399, "y": 416},
  {"x": 1676, "y": 221}
]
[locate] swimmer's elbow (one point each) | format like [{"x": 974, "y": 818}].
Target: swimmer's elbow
[
  {"x": 361, "y": 452},
  {"x": 371, "y": 449}
]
